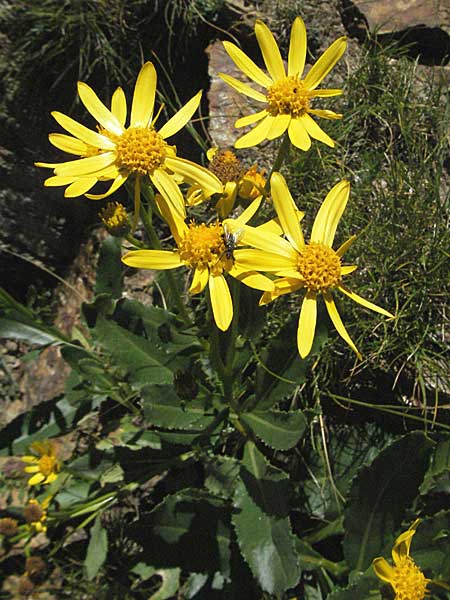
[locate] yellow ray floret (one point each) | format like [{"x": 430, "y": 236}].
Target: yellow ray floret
[{"x": 286, "y": 96}]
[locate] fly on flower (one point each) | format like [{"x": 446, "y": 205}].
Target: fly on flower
[{"x": 230, "y": 240}]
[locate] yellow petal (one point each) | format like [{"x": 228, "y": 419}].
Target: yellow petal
[
  {"x": 282, "y": 286},
  {"x": 315, "y": 131},
  {"x": 330, "y": 212},
  {"x": 297, "y": 48},
  {"x": 337, "y": 322},
  {"x": 119, "y": 106},
  {"x": 98, "y": 110},
  {"x": 225, "y": 205},
  {"x": 152, "y": 259},
  {"x": 33, "y": 469},
  {"x": 256, "y": 135},
  {"x": 248, "y": 259},
  {"x": 169, "y": 190},
  {"x": 325, "y": 63},
  {"x": 36, "y": 479},
  {"x": 193, "y": 173},
  {"x": 345, "y": 246},
  {"x": 251, "y": 278},
  {"x": 246, "y": 65},
  {"x": 347, "y": 269},
  {"x": 364, "y": 302},
  {"x": 270, "y": 51},
  {"x": 221, "y": 302},
  {"x": 279, "y": 126},
  {"x": 325, "y": 114},
  {"x": 176, "y": 222},
  {"x": 325, "y": 93},
  {"x": 80, "y": 187},
  {"x": 83, "y": 133},
  {"x": 116, "y": 184},
  {"x": 29, "y": 459},
  {"x": 249, "y": 212},
  {"x": 243, "y": 88},
  {"x": 199, "y": 281},
  {"x": 211, "y": 152},
  {"x": 86, "y": 166},
  {"x": 250, "y": 119},
  {"x": 144, "y": 96},
  {"x": 269, "y": 242},
  {"x": 57, "y": 181},
  {"x": 298, "y": 135},
  {"x": 383, "y": 569},
  {"x": 286, "y": 210},
  {"x": 69, "y": 144},
  {"x": 403, "y": 543},
  {"x": 50, "y": 478},
  {"x": 180, "y": 118},
  {"x": 307, "y": 324}
]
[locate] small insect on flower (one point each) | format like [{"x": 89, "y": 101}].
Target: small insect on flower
[{"x": 230, "y": 240}]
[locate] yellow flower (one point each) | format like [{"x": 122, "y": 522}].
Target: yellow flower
[
  {"x": 117, "y": 152},
  {"x": 405, "y": 577},
  {"x": 115, "y": 219},
  {"x": 236, "y": 180},
  {"x": 313, "y": 266},
  {"x": 209, "y": 251},
  {"x": 286, "y": 97},
  {"x": 44, "y": 464},
  {"x": 35, "y": 514}
]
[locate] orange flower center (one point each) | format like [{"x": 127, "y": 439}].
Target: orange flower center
[
  {"x": 47, "y": 465},
  {"x": 408, "y": 581},
  {"x": 288, "y": 97},
  {"x": 319, "y": 266},
  {"x": 226, "y": 166},
  {"x": 203, "y": 247},
  {"x": 140, "y": 150}
]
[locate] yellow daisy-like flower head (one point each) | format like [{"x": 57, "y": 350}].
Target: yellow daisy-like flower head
[
  {"x": 287, "y": 96},
  {"x": 44, "y": 464},
  {"x": 118, "y": 152},
  {"x": 35, "y": 514},
  {"x": 405, "y": 577},
  {"x": 236, "y": 180},
  {"x": 209, "y": 251},
  {"x": 315, "y": 266}
]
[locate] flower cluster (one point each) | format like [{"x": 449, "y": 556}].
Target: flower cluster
[{"x": 270, "y": 256}]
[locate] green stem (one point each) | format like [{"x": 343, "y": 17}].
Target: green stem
[
  {"x": 171, "y": 281},
  {"x": 279, "y": 159}
]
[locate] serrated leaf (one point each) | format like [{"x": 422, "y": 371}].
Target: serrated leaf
[
  {"x": 380, "y": 495},
  {"x": 137, "y": 355},
  {"x": 110, "y": 268},
  {"x": 366, "y": 587},
  {"x": 279, "y": 430},
  {"x": 164, "y": 408},
  {"x": 262, "y": 525},
  {"x": 97, "y": 549}
]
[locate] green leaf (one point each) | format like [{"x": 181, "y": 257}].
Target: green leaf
[
  {"x": 110, "y": 268},
  {"x": 20, "y": 331},
  {"x": 439, "y": 466},
  {"x": 164, "y": 408},
  {"x": 262, "y": 524},
  {"x": 221, "y": 475},
  {"x": 145, "y": 363},
  {"x": 279, "y": 430},
  {"x": 365, "y": 587},
  {"x": 97, "y": 549},
  {"x": 380, "y": 496},
  {"x": 430, "y": 546},
  {"x": 170, "y": 584}
]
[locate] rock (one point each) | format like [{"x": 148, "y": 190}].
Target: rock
[{"x": 425, "y": 24}]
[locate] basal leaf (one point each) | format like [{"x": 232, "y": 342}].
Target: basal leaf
[
  {"x": 262, "y": 525},
  {"x": 380, "y": 495},
  {"x": 279, "y": 430}
]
